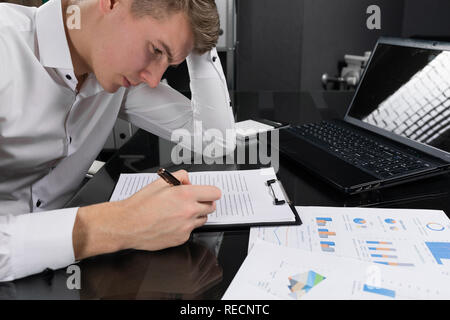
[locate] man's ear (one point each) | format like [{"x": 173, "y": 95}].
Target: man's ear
[{"x": 106, "y": 6}]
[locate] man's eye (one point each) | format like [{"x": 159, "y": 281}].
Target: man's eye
[{"x": 157, "y": 51}]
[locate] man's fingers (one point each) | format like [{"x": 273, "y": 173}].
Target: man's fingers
[
  {"x": 153, "y": 187},
  {"x": 200, "y": 221},
  {"x": 205, "y": 193},
  {"x": 160, "y": 183},
  {"x": 205, "y": 208},
  {"x": 182, "y": 176}
]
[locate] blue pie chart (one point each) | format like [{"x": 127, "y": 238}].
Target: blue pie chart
[
  {"x": 435, "y": 226},
  {"x": 359, "y": 221}
]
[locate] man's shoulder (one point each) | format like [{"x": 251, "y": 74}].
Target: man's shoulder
[
  {"x": 17, "y": 28},
  {"x": 16, "y": 22},
  {"x": 15, "y": 17}
]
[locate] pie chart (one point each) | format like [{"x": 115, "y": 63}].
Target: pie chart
[{"x": 435, "y": 226}]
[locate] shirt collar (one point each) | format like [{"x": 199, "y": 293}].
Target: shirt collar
[
  {"x": 54, "y": 49},
  {"x": 52, "y": 41}
]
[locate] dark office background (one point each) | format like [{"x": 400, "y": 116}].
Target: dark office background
[{"x": 286, "y": 45}]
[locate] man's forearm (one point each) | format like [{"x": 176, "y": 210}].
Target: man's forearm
[
  {"x": 157, "y": 217},
  {"x": 92, "y": 233}
]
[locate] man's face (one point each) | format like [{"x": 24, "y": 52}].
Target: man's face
[{"x": 128, "y": 51}]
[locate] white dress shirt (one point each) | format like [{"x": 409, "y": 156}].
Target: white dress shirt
[{"x": 50, "y": 134}]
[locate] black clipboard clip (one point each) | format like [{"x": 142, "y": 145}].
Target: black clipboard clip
[{"x": 277, "y": 201}]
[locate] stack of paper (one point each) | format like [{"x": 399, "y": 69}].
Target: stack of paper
[
  {"x": 349, "y": 253},
  {"x": 276, "y": 272}
]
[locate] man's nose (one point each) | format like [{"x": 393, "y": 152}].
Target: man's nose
[{"x": 152, "y": 76}]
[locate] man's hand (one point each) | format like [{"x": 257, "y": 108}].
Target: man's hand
[{"x": 157, "y": 217}]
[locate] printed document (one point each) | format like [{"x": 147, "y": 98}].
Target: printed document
[
  {"x": 272, "y": 272},
  {"x": 246, "y": 197},
  {"x": 399, "y": 238}
]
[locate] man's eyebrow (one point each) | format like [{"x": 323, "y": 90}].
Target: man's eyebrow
[{"x": 167, "y": 49}]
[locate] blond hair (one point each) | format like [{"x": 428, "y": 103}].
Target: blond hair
[{"x": 202, "y": 14}]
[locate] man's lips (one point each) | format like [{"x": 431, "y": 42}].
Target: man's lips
[{"x": 126, "y": 82}]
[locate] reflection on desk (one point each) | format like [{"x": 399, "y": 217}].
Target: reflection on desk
[{"x": 185, "y": 272}]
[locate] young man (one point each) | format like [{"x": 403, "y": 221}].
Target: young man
[{"x": 61, "y": 90}]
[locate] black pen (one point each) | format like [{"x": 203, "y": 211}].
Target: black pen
[{"x": 168, "y": 177}]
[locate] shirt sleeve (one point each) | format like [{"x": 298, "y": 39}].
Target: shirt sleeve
[
  {"x": 31, "y": 243},
  {"x": 207, "y": 117},
  {"x": 3, "y": 61}
]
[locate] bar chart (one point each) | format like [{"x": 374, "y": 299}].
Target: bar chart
[
  {"x": 384, "y": 252},
  {"x": 322, "y": 222},
  {"x": 439, "y": 250},
  {"x": 380, "y": 291},
  {"x": 324, "y": 232},
  {"x": 327, "y": 246}
]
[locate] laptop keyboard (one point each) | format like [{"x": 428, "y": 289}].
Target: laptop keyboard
[{"x": 380, "y": 160}]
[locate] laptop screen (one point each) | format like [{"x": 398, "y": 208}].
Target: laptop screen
[{"x": 406, "y": 91}]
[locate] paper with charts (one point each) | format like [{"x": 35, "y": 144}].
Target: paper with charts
[
  {"x": 396, "y": 237},
  {"x": 245, "y": 196},
  {"x": 273, "y": 272}
]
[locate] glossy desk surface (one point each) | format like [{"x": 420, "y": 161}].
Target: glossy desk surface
[{"x": 204, "y": 266}]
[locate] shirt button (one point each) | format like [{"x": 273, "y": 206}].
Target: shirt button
[
  {"x": 38, "y": 203},
  {"x": 68, "y": 77},
  {"x": 214, "y": 59}
]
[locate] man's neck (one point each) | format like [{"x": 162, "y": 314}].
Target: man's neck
[{"x": 78, "y": 38}]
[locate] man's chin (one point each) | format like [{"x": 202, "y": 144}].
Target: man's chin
[
  {"x": 110, "y": 88},
  {"x": 113, "y": 90}
]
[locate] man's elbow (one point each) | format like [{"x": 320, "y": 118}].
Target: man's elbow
[
  {"x": 219, "y": 148},
  {"x": 229, "y": 147},
  {"x": 217, "y": 144},
  {"x": 228, "y": 144}
]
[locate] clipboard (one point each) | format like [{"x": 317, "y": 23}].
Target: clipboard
[
  {"x": 276, "y": 202},
  {"x": 250, "y": 198}
]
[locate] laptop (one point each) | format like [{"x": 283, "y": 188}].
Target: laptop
[{"x": 397, "y": 126}]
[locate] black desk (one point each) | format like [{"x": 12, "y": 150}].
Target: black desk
[{"x": 204, "y": 267}]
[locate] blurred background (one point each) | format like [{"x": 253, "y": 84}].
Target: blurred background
[{"x": 302, "y": 45}]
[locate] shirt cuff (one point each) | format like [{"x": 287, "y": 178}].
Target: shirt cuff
[{"x": 42, "y": 240}]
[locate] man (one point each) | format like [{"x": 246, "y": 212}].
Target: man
[{"x": 61, "y": 90}]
